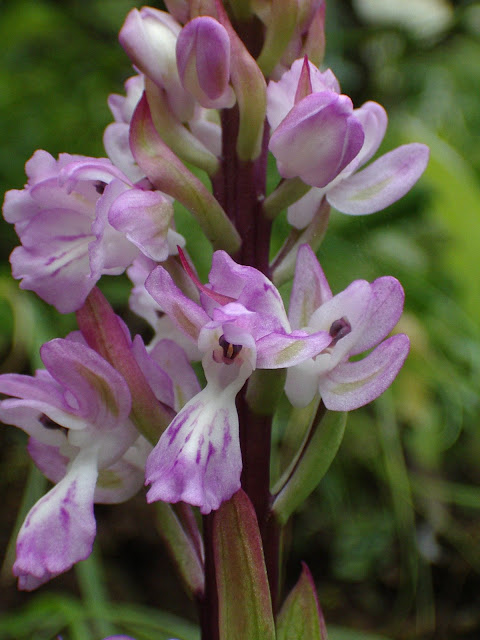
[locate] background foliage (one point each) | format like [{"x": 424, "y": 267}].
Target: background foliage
[{"x": 392, "y": 533}]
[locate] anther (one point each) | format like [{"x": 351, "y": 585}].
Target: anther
[
  {"x": 230, "y": 351},
  {"x": 339, "y": 329}
]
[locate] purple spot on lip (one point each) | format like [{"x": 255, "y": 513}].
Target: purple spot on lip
[
  {"x": 211, "y": 452},
  {"x": 64, "y": 518},
  {"x": 177, "y": 424}
]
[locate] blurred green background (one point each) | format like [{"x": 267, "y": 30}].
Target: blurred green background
[{"x": 392, "y": 535}]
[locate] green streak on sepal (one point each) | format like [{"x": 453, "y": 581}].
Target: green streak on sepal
[
  {"x": 312, "y": 461},
  {"x": 245, "y": 607},
  {"x": 167, "y": 173},
  {"x": 301, "y": 616},
  {"x": 182, "y": 549}
]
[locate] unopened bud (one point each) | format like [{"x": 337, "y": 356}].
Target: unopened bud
[{"x": 203, "y": 60}]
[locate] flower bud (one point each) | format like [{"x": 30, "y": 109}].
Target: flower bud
[
  {"x": 149, "y": 37},
  {"x": 203, "y": 60},
  {"x": 179, "y": 9},
  {"x": 319, "y": 137}
]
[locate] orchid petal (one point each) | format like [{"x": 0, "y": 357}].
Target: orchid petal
[
  {"x": 37, "y": 398},
  {"x": 281, "y": 94},
  {"x": 310, "y": 288},
  {"x": 144, "y": 217},
  {"x": 111, "y": 252},
  {"x": 382, "y": 182},
  {"x": 279, "y": 350},
  {"x": 173, "y": 359},
  {"x": 49, "y": 459},
  {"x": 374, "y": 119},
  {"x": 185, "y": 313},
  {"x": 117, "y": 145},
  {"x": 203, "y": 61},
  {"x": 353, "y": 384},
  {"x": 97, "y": 392},
  {"x": 318, "y": 138},
  {"x": 383, "y": 313},
  {"x": 301, "y": 385},
  {"x": 249, "y": 287},
  {"x": 301, "y": 213},
  {"x": 159, "y": 381}
]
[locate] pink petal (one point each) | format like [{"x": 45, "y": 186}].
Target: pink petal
[
  {"x": 186, "y": 314},
  {"x": 248, "y": 287},
  {"x": 318, "y": 138},
  {"x": 310, "y": 288},
  {"x": 374, "y": 120},
  {"x": 279, "y": 350},
  {"x": 301, "y": 214},
  {"x": 144, "y": 217},
  {"x": 117, "y": 145},
  {"x": 98, "y": 392},
  {"x": 384, "y": 311},
  {"x": 173, "y": 359},
  {"x": 383, "y": 182},
  {"x": 353, "y": 384}
]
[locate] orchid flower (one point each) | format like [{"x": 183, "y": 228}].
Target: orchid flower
[
  {"x": 142, "y": 303},
  {"x": 239, "y": 325},
  {"x": 319, "y": 137},
  {"x": 76, "y": 413},
  {"x": 358, "y": 319},
  {"x": 79, "y": 218},
  {"x": 149, "y": 36}
]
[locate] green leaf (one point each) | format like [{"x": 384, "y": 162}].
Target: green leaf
[
  {"x": 312, "y": 461},
  {"x": 245, "y": 608},
  {"x": 301, "y": 616}
]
